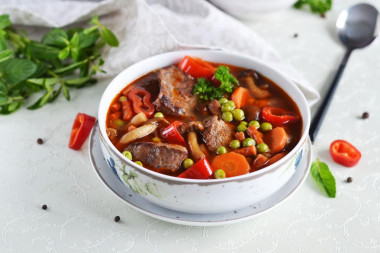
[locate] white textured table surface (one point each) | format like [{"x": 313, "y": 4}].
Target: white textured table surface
[{"x": 81, "y": 209}]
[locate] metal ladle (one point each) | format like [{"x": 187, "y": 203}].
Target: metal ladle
[{"x": 357, "y": 27}]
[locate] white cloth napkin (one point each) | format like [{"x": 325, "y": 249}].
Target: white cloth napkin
[{"x": 150, "y": 27}]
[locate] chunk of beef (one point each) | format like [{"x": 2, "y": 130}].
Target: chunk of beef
[
  {"x": 217, "y": 133},
  {"x": 175, "y": 97},
  {"x": 159, "y": 155},
  {"x": 214, "y": 107}
]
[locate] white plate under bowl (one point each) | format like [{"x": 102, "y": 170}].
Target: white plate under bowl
[{"x": 113, "y": 182}]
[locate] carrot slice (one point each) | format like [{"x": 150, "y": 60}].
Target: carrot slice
[
  {"x": 241, "y": 97},
  {"x": 232, "y": 163},
  {"x": 247, "y": 151},
  {"x": 255, "y": 134},
  {"x": 240, "y": 136},
  {"x": 276, "y": 139},
  {"x": 259, "y": 162}
]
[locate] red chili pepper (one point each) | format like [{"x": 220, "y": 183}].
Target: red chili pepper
[
  {"x": 278, "y": 116},
  {"x": 200, "y": 170},
  {"x": 141, "y": 102},
  {"x": 127, "y": 110},
  {"x": 344, "y": 153},
  {"x": 81, "y": 129},
  {"x": 197, "y": 67},
  {"x": 171, "y": 134}
]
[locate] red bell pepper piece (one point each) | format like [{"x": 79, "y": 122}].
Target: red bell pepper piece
[
  {"x": 278, "y": 116},
  {"x": 171, "y": 134},
  {"x": 81, "y": 129},
  {"x": 344, "y": 153},
  {"x": 141, "y": 102},
  {"x": 197, "y": 67},
  {"x": 200, "y": 170}
]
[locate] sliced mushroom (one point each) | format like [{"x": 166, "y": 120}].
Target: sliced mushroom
[
  {"x": 191, "y": 127},
  {"x": 195, "y": 150},
  {"x": 138, "y": 133},
  {"x": 138, "y": 119},
  {"x": 256, "y": 91}
]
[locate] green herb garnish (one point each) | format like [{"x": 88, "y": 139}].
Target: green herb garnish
[
  {"x": 323, "y": 177},
  {"x": 316, "y": 6},
  {"x": 63, "y": 59},
  {"x": 207, "y": 91}
]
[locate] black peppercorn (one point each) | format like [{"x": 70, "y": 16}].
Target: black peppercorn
[
  {"x": 295, "y": 35},
  {"x": 365, "y": 115},
  {"x": 117, "y": 218},
  {"x": 40, "y": 141},
  {"x": 44, "y": 207},
  {"x": 349, "y": 179}
]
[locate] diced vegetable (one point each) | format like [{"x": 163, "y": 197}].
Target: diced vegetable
[
  {"x": 195, "y": 150},
  {"x": 138, "y": 133},
  {"x": 232, "y": 163},
  {"x": 276, "y": 139},
  {"x": 138, "y": 119},
  {"x": 247, "y": 151},
  {"x": 278, "y": 116},
  {"x": 344, "y": 153},
  {"x": 275, "y": 158},
  {"x": 81, "y": 129},
  {"x": 241, "y": 97},
  {"x": 141, "y": 101},
  {"x": 240, "y": 136},
  {"x": 171, "y": 134},
  {"x": 259, "y": 162},
  {"x": 197, "y": 67},
  {"x": 201, "y": 170},
  {"x": 255, "y": 134}
]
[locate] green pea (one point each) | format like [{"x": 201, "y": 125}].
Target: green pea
[
  {"x": 238, "y": 114},
  {"x": 127, "y": 154},
  {"x": 218, "y": 174},
  {"x": 139, "y": 163},
  {"x": 241, "y": 128},
  {"x": 266, "y": 126},
  {"x": 226, "y": 107},
  {"x": 122, "y": 98},
  {"x": 227, "y": 116},
  {"x": 232, "y": 104},
  {"x": 262, "y": 148},
  {"x": 158, "y": 115},
  {"x": 249, "y": 142},
  {"x": 244, "y": 123},
  {"x": 221, "y": 150},
  {"x": 223, "y": 100},
  {"x": 254, "y": 123},
  {"x": 156, "y": 139},
  {"x": 187, "y": 163},
  {"x": 235, "y": 144}
]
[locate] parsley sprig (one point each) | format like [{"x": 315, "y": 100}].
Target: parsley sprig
[
  {"x": 316, "y": 6},
  {"x": 63, "y": 59},
  {"x": 207, "y": 91}
]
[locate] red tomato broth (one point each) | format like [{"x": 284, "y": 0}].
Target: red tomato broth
[{"x": 149, "y": 83}]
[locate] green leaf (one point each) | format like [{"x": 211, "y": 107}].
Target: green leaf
[
  {"x": 56, "y": 37},
  {"x": 94, "y": 20},
  {"x": 64, "y": 53},
  {"x": 227, "y": 80},
  {"x": 55, "y": 94},
  {"x": 6, "y": 54},
  {"x": 109, "y": 37},
  {"x": 70, "y": 68},
  {"x": 3, "y": 42},
  {"x": 315, "y": 6},
  {"x": 77, "y": 81},
  {"x": 5, "y": 21},
  {"x": 43, "y": 81},
  {"x": 4, "y": 99},
  {"x": 42, "y": 67},
  {"x": 17, "y": 70},
  {"x": 323, "y": 177},
  {"x": 88, "y": 39},
  {"x": 66, "y": 92},
  {"x": 42, "y": 101},
  {"x": 43, "y": 52},
  {"x": 3, "y": 88}
]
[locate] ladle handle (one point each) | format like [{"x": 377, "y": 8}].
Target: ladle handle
[{"x": 320, "y": 114}]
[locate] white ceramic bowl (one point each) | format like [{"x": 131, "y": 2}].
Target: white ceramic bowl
[
  {"x": 201, "y": 196},
  {"x": 251, "y": 9}
]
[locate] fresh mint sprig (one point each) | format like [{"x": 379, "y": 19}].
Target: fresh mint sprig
[
  {"x": 323, "y": 177},
  {"x": 63, "y": 59},
  {"x": 316, "y": 6}
]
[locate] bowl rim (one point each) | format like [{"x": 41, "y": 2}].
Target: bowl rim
[{"x": 172, "y": 54}]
